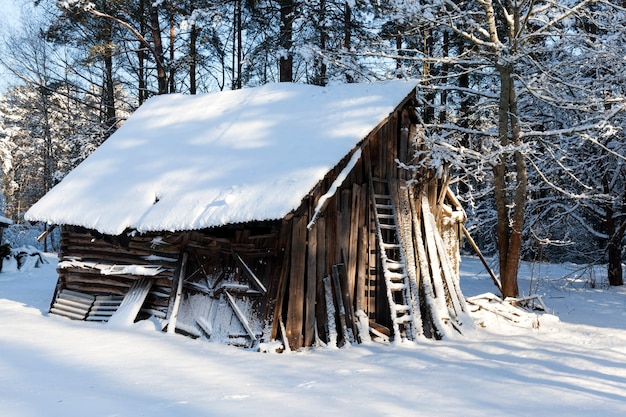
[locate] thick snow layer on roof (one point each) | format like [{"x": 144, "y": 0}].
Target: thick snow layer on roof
[
  {"x": 5, "y": 220},
  {"x": 191, "y": 162}
]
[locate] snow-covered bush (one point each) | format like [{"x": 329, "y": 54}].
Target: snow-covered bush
[
  {"x": 26, "y": 234},
  {"x": 23, "y": 258}
]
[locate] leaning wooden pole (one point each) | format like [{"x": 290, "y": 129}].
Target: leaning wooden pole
[{"x": 482, "y": 258}]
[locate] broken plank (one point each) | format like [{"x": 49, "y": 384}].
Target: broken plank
[
  {"x": 330, "y": 311},
  {"x": 131, "y": 305},
  {"x": 171, "y": 326},
  {"x": 242, "y": 318}
]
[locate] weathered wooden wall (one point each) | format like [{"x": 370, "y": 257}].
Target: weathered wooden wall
[
  {"x": 85, "y": 255},
  {"x": 78, "y": 244},
  {"x": 341, "y": 240}
]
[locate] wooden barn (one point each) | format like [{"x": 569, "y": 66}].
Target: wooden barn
[{"x": 286, "y": 212}]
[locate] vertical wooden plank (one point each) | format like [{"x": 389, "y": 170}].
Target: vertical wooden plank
[
  {"x": 374, "y": 155},
  {"x": 346, "y": 330},
  {"x": 391, "y": 147},
  {"x": 383, "y": 138},
  {"x": 390, "y": 143},
  {"x": 362, "y": 256},
  {"x": 278, "y": 286},
  {"x": 348, "y": 302},
  {"x": 366, "y": 160},
  {"x": 320, "y": 310},
  {"x": 403, "y": 142},
  {"x": 356, "y": 176},
  {"x": 332, "y": 248},
  {"x": 295, "y": 308},
  {"x": 372, "y": 270},
  {"x": 178, "y": 276},
  {"x": 173, "y": 314},
  {"x": 344, "y": 237},
  {"x": 355, "y": 221},
  {"x": 311, "y": 288}
]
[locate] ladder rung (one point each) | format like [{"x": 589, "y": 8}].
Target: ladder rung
[
  {"x": 391, "y": 245},
  {"x": 403, "y": 319},
  {"x": 385, "y": 216},
  {"x": 402, "y": 308},
  {"x": 395, "y": 276},
  {"x": 396, "y": 286},
  {"x": 384, "y": 206}
]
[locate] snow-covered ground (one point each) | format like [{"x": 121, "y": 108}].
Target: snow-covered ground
[{"x": 543, "y": 366}]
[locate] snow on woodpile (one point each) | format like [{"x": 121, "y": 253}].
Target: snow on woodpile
[{"x": 191, "y": 162}]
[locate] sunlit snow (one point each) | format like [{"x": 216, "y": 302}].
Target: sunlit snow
[
  {"x": 53, "y": 366},
  {"x": 191, "y": 162}
]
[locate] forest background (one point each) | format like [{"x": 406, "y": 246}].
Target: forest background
[{"x": 522, "y": 99}]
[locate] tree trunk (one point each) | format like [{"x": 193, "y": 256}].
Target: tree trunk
[
  {"x": 287, "y": 10},
  {"x": 321, "y": 76},
  {"x": 155, "y": 30},
  {"x": 193, "y": 58},
  {"x": 237, "y": 47},
  {"x": 141, "y": 56},
  {"x": 614, "y": 245},
  {"x": 109, "y": 94},
  {"x": 172, "y": 78},
  {"x": 445, "y": 69},
  {"x": 347, "y": 34},
  {"x": 614, "y": 269},
  {"x": 510, "y": 214},
  {"x": 108, "y": 115},
  {"x": 429, "y": 95}
]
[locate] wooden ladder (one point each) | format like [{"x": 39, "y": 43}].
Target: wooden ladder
[{"x": 393, "y": 260}]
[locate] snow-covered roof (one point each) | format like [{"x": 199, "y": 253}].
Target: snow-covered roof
[
  {"x": 5, "y": 221},
  {"x": 191, "y": 162}
]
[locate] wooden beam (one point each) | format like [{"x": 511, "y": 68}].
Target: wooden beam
[
  {"x": 311, "y": 288},
  {"x": 474, "y": 246},
  {"x": 242, "y": 318},
  {"x": 362, "y": 256},
  {"x": 321, "y": 271},
  {"x": 278, "y": 287},
  {"x": 355, "y": 220},
  {"x": 347, "y": 302},
  {"x": 295, "y": 308},
  {"x": 173, "y": 317},
  {"x": 256, "y": 281}
]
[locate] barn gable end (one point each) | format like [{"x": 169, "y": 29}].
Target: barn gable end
[{"x": 361, "y": 257}]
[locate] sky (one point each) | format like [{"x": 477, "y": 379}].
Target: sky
[
  {"x": 10, "y": 11},
  {"x": 10, "y": 19}
]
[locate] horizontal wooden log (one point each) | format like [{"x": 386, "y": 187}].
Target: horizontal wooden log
[
  {"x": 94, "y": 274},
  {"x": 68, "y": 314},
  {"x": 77, "y": 248},
  {"x": 95, "y": 289},
  {"x": 113, "y": 257}
]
